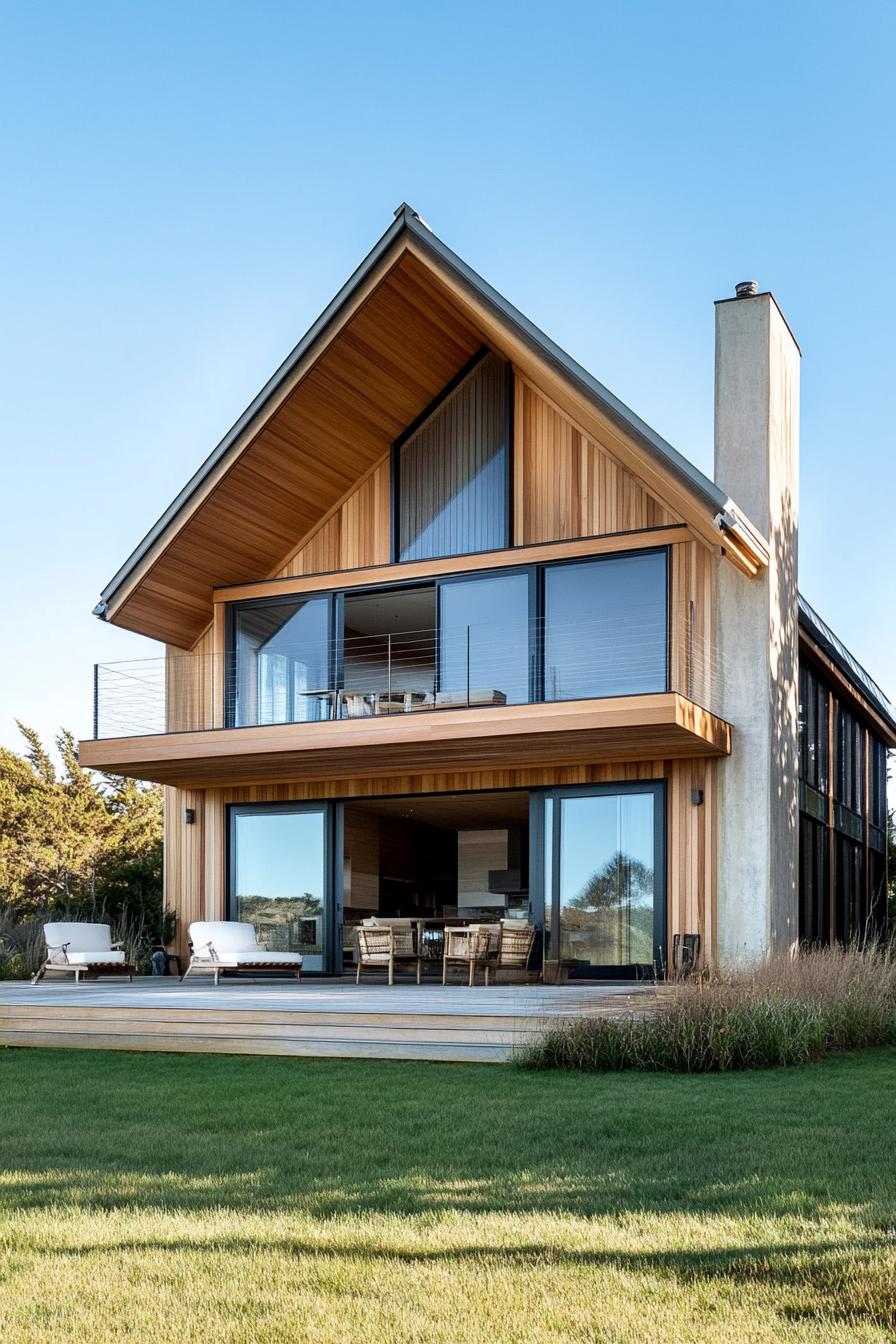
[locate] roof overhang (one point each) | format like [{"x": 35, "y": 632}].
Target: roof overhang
[{"x": 401, "y": 327}]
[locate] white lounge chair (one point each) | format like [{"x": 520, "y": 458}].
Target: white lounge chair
[
  {"x": 227, "y": 945},
  {"x": 87, "y": 950}
]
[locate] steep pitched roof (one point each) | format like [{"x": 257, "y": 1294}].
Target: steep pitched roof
[{"x": 398, "y": 330}]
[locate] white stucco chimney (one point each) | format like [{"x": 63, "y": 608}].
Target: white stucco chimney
[{"x": 757, "y": 464}]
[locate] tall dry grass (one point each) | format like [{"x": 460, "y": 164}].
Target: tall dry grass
[{"x": 777, "y": 1012}]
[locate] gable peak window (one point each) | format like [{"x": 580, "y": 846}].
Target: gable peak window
[{"x": 451, "y": 472}]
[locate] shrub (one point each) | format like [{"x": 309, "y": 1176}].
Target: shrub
[{"x": 781, "y": 1011}]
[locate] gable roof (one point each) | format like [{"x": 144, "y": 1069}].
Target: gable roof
[{"x": 400, "y": 328}]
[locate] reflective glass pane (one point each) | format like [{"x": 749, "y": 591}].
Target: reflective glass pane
[
  {"x": 279, "y": 879},
  {"x": 282, "y": 663},
  {"x": 605, "y": 627},
  {"x": 453, "y": 484},
  {"x": 484, "y": 639},
  {"x": 607, "y": 880}
]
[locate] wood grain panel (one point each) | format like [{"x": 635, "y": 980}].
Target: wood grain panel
[
  {"x": 191, "y": 685},
  {"x": 692, "y": 634},
  {"x": 567, "y": 484},
  {"x": 185, "y": 859},
  {"x": 355, "y": 534},
  {"x": 663, "y": 726},
  {"x": 197, "y": 889},
  {"x": 410, "y": 570},
  {"x": 391, "y": 358}
]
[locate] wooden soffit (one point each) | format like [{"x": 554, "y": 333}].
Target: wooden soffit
[{"x": 628, "y": 728}]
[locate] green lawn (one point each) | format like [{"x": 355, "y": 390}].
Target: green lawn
[{"x": 180, "y": 1198}]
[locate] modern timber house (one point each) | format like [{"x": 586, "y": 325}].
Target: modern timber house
[{"x": 451, "y": 632}]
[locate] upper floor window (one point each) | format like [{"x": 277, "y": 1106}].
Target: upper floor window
[
  {"x": 850, "y": 748},
  {"x": 813, "y": 726},
  {"x": 451, "y": 473}
]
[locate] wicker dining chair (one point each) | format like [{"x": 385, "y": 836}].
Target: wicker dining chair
[
  {"x": 470, "y": 946},
  {"x": 515, "y": 944},
  {"x": 381, "y": 947}
]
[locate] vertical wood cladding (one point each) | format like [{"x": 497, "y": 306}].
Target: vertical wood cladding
[
  {"x": 565, "y": 484},
  {"x": 195, "y": 878}
]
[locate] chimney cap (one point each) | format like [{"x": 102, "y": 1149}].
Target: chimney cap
[{"x": 746, "y": 289}]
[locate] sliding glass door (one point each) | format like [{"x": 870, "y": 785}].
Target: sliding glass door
[
  {"x": 281, "y": 662},
  {"x": 484, "y": 639},
  {"x": 603, "y": 867},
  {"x": 280, "y": 877},
  {"x": 605, "y": 627}
]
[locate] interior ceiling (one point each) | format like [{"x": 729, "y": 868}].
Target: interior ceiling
[
  {"x": 386, "y": 365},
  {"x": 377, "y": 614},
  {"x": 453, "y": 812}
]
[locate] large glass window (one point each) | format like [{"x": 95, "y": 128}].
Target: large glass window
[
  {"x": 278, "y": 877},
  {"x": 281, "y": 672},
  {"x": 452, "y": 472},
  {"x": 813, "y": 725},
  {"x": 850, "y": 746},
  {"x": 813, "y": 885},
  {"x": 484, "y": 639},
  {"x": 877, "y": 804},
  {"x": 604, "y": 900},
  {"x": 605, "y": 627}
]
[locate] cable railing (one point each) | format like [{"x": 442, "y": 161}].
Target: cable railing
[{"x": 638, "y": 651}]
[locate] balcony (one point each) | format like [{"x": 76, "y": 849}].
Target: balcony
[{"x": 416, "y": 700}]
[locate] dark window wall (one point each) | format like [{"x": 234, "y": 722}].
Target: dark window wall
[
  {"x": 849, "y": 746},
  {"x": 877, "y": 803},
  {"x": 815, "y": 908},
  {"x": 843, "y": 870},
  {"x": 605, "y": 627},
  {"x": 813, "y": 731},
  {"x": 850, "y": 904},
  {"x": 453, "y": 472},
  {"x": 278, "y": 877},
  {"x": 484, "y": 632},
  {"x": 281, "y": 657}
]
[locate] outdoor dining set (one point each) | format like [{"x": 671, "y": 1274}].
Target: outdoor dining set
[{"x": 230, "y": 947}]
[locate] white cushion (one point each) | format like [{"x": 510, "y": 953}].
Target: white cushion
[
  {"x": 91, "y": 958},
  {"x": 225, "y": 935},
  {"x": 83, "y": 937},
  {"x": 259, "y": 958}
]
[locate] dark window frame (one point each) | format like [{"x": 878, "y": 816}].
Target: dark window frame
[
  {"x": 537, "y": 617},
  {"x": 539, "y": 840},
  {"x": 325, "y": 807}
]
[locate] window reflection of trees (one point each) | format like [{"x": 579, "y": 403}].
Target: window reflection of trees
[{"x": 612, "y": 913}]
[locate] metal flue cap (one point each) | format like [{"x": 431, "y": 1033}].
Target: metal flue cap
[{"x": 746, "y": 289}]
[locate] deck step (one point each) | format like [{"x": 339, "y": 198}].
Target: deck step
[{"x": 457, "y": 1025}]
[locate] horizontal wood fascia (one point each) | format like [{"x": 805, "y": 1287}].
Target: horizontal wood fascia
[
  {"x": 509, "y": 558},
  {"x": 625, "y": 728}
]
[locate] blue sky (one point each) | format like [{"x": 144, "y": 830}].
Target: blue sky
[{"x": 185, "y": 186}]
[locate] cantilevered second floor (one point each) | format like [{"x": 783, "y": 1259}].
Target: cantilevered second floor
[{"x": 432, "y": 541}]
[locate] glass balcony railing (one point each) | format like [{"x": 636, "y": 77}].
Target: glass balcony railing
[{"x": 368, "y": 676}]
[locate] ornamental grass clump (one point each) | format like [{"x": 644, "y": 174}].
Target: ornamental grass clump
[{"x": 782, "y": 1011}]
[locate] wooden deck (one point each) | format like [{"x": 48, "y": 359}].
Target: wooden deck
[{"x": 318, "y": 1017}]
